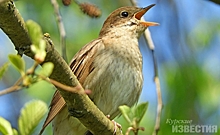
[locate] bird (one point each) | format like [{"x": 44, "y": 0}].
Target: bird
[{"x": 110, "y": 66}]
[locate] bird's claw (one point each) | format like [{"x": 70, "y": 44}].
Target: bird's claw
[{"x": 116, "y": 125}]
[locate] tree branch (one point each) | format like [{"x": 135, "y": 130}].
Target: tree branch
[
  {"x": 216, "y": 1},
  {"x": 13, "y": 25}
]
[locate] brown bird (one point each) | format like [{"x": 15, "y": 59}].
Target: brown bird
[{"x": 110, "y": 66}]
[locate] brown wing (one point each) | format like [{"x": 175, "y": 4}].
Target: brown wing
[{"x": 81, "y": 65}]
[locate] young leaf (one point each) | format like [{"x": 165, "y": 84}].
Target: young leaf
[
  {"x": 47, "y": 69},
  {"x": 31, "y": 114},
  {"x": 38, "y": 44},
  {"x": 5, "y": 127},
  {"x": 34, "y": 31},
  {"x": 3, "y": 68},
  {"x": 39, "y": 51},
  {"x": 17, "y": 62},
  {"x": 15, "y": 132},
  {"x": 125, "y": 110},
  {"x": 140, "y": 110}
]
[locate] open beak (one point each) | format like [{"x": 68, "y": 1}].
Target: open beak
[{"x": 140, "y": 13}]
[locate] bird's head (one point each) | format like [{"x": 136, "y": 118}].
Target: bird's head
[{"x": 127, "y": 19}]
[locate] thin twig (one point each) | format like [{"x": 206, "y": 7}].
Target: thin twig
[
  {"x": 159, "y": 105},
  {"x": 10, "y": 89},
  {"x": 13, "y": 88},
  {"x": 32, "y": 69},
  {"x": 17, "y": 86},
  {"x": 133, "y": 2},
  {"x": 76, "y": 89},
  {"x": 129, "y": 130},
  {"x": 147, "y": 36},
  {"x": 150, "y": 43},
  {"x": 61, "y": 28}
]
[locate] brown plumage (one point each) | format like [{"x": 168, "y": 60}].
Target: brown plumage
[{"x": 110, "y": 66}]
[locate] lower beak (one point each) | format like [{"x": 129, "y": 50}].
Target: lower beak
[{"x": 140, "y": 13}]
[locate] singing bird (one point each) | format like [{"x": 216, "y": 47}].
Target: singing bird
[{"x": 110, "y": 66}]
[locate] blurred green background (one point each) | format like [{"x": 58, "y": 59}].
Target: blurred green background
[{"x": 187, "y": 49}]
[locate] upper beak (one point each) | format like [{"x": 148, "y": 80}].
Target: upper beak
[{"x": 140, "y": 13}]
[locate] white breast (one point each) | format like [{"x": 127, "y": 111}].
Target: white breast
[{"x": 117, "y": 78}]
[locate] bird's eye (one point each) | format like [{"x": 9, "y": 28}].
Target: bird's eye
[{"x": 124, "y": 14}]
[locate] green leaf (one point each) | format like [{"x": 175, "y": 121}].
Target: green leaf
[
  {"x": 15, "y": 132},
  {"x": 39, "y": 51},
  {"x": 126, "y": 111},
  {"x": 17, "y": 62},
  {"x": 139, "y": 111},
  {"x": 47, "y": 69},
  {"x": 38, "y": 43},
  {"x": 3, "y": 68},
  {"x": 31, "y": 114},
  {"x": 34, "y": 31},
  {"x": 5, "y": 127}
]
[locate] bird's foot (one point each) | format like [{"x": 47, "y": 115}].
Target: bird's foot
[{"x": 116, "y": 125}]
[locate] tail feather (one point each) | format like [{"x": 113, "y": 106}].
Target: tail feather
[{"x": 55, "y": 106}]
